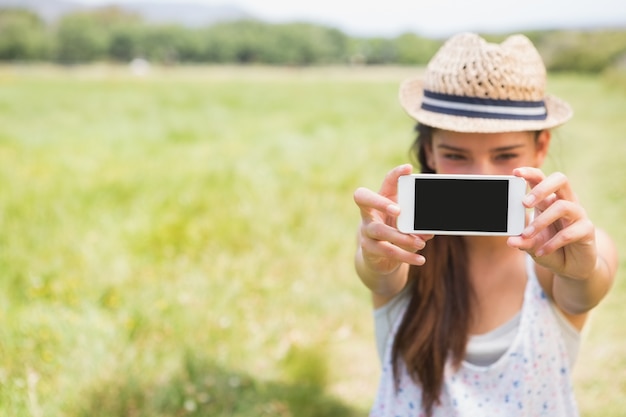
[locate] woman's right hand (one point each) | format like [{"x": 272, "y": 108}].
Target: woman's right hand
[{"x": 382, "y": 247}]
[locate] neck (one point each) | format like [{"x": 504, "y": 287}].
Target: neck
[
  {"x": 486, "y": 245},
  {"x": 489, "y": 256},
  {"x": 498, "y": 276}
]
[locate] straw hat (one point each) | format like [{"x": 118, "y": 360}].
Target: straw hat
[{"x": 474, "y": 86}]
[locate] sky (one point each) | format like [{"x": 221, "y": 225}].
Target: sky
[{"x": 434, "y": 17}]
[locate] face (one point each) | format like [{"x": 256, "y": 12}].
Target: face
[{"x": 485, "y": 153}]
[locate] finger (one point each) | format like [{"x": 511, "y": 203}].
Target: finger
[
  {"x": 581, "y": 231},
  {"x": 559, "y": 184},
  {"x": 381, "y": 232},
  {"x": 545, "y": 203},
  {"x": 543, "y": 188},
  {"x": 533, "y": 176},
  {"x": 425, "y": 238},
  {"x": 389, "y": 187},
  {"x": 561, "y": 210},
  {"x": 368, "y": 200},
  {"x": 522, "y": 243},
  {"x": 387, "y": 250}
]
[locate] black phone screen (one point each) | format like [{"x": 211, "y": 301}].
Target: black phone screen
[{"x": 461, "y": 205}]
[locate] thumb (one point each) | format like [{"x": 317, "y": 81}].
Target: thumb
[{"x": 389, "y": 188}]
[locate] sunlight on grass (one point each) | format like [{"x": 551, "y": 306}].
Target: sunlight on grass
[{"x": 182, "y": 244}]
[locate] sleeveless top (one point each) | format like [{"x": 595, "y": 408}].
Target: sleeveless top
[{"x": 532, "y": 378}]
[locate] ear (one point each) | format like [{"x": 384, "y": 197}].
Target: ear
[{"x": 542, "y": 144}]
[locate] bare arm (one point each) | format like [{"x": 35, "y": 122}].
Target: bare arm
[
  {"x": 579, "y": 261},
  {"x": 383, "y": 253},
  {"x": 578, "y": 294}
]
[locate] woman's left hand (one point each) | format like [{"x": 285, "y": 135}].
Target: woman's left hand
[{"x": 560, "y": 237}]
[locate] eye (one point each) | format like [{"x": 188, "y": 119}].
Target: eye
[
  {"x": 454, "y": 156},
  {"x": 506, "y": 156}
]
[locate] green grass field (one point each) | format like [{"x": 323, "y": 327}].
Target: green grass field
[{"x": 181, "y": 244}]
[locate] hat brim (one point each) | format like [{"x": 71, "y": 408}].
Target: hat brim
[{"x": 412, "y": 92}]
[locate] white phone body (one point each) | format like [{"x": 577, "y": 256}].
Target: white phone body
[{"x": 442, "y": 204}]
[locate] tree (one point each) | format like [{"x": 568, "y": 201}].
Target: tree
[
  {"x": 22, "y": 36},
  {"x": 87, "y": 36},
  {"x": 79, "y": 39},
  {"x": 170, "y": 44},
  {"x": 590, "y": 51},
  {"x": 375, "y": 51},
  {"x": 412, "y": 49}
]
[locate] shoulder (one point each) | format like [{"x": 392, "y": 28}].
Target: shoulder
[{"x": 386, "y": 319}]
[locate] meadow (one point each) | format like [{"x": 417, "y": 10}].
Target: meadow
[{"x": 180, "y": 244}]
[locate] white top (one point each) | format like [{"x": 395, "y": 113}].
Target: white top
[
  {"x": 483, "y": 349},
  {"x": 522, "y": 368}
]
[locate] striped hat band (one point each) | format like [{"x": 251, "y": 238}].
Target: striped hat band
[{"x": 487, "y": 108}]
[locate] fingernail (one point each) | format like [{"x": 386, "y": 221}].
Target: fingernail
[
  {"x": 393, "y": 209},
  {"x": 528, "y": 231},
  {"x": 539, "y": 252},
  {"x": 529, "y": 199}
]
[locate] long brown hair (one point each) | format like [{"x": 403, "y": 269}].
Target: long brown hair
[{"x": 436, "y": 323}]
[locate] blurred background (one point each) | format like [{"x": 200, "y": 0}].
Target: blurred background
[
  {"x": 176, "y": 217},
  {"x": 586, "y": 38}
]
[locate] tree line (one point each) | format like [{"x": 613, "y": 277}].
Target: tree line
[{"x": 111, "y": 34}]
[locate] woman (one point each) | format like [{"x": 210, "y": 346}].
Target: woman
[{"x": 482, "y": 325}]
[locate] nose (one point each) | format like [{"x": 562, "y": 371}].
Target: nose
[{"x": 483, "y": 167}]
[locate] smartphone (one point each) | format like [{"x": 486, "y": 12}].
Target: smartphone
[{"x": 442, "y": 204}]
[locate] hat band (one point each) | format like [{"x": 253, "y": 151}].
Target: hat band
[{"x": 485, "y": 108}]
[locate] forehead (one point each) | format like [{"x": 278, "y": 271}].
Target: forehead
[{"x": 471, "y": 141}]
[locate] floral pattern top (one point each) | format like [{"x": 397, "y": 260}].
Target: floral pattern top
[{"x": 531, "y": 379}]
